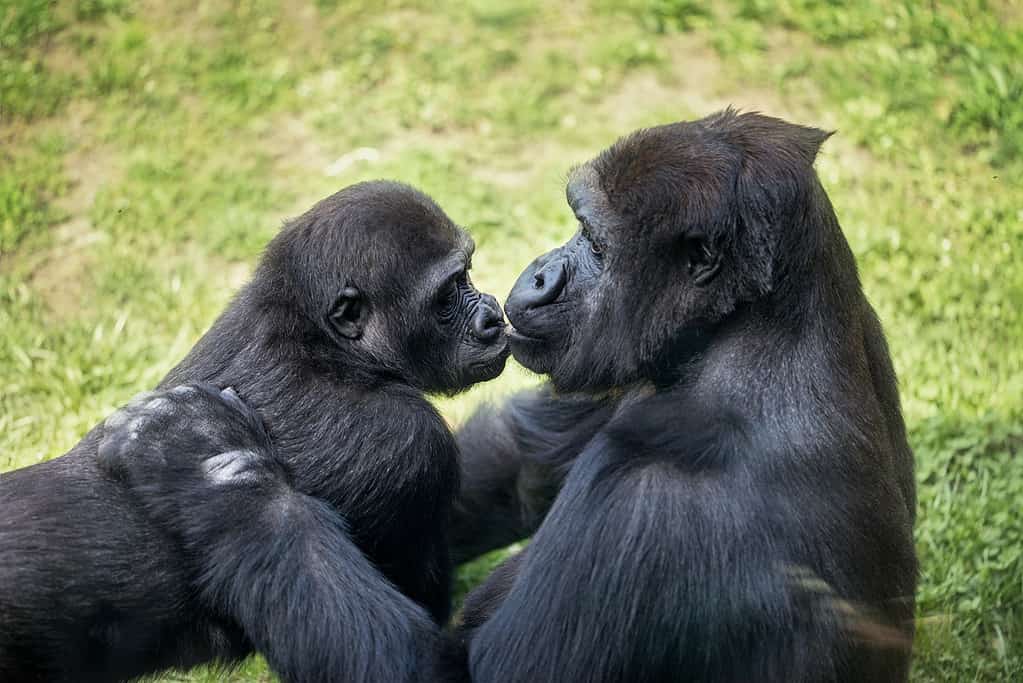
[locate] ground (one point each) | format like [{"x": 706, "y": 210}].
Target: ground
[{"x": 149, "y": 150}]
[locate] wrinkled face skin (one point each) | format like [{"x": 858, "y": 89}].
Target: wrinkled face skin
[
  {"x": 461, "y": 338},
  {"x": 673, "y": 234}
]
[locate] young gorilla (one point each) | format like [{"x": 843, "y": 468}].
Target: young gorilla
[
  {"x": 736, "y": 491},
  {"x": 356, "y": 309}
]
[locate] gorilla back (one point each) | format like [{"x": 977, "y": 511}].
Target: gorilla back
[
  {"x": 745, "y": 512},
  {"x": 356, "y": 309}
]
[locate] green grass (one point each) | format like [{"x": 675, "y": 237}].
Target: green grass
[{"x": 148, "y": 151}]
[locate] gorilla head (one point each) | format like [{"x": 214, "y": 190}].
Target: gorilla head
[
  {"x": 677, "y": 230},
  {"x": 375, "y": 279}
]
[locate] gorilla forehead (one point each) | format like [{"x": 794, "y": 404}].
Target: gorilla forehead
[
  {"x": 686, "y": 170},
  {"x": 382, "y": 225}
]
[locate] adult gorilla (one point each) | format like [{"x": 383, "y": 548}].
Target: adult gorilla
[
  {"x": 739, "y": 498},
  {"x": 736, "y": 492}
]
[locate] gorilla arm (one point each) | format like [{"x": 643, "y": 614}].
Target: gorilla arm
[
  {"x": 278, "y": 562},
  {"x": 513, "y": 463}
]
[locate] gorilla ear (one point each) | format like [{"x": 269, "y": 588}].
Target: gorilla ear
[
  {"x": 702, "y": 259},
  {"x": 348, "y": 316}
]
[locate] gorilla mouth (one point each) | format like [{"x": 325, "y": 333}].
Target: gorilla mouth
[
  {"x": 533, "y": 353},
  {"x": 498, "y": 349},
  {"x": 503, "y": 349},
  {"x": 493, "y": 365},
  {"x": 516, "y": 335}
]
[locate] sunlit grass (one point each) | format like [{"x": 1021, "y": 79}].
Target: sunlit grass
[{"x": 148, "y": 151}]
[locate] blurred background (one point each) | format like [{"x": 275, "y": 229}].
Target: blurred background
[{"x": 148, "y": 151}]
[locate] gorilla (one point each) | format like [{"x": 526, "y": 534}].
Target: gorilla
[
  {"x": 722, "y": 440},
  {"x": 717, "y": 472},
  {"x": 356, "y": 310}
]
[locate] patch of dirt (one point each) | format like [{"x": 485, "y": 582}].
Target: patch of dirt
[
  {"x": 88, "y": 167},
  {"x": 303, "y": 25},
  {"x": 295, "y": 146},
  {"x": 1009, "y": 12},
  {"x": 62, "y": 270},
  {"x": 218, "y": 272},
  {"x": 59, "y": 280},
  {"x": 171, "y": 20},
  {"x": 60, "y": 56},
  {"x": 695, "y": 84}
]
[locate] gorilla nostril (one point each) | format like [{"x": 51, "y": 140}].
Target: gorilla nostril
[{"x": 538, "y": 286}]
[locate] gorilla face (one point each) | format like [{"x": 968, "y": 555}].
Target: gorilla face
[
  {"x": 556, "y": 295},
  {"x": 442, "y": 332},
  {"x": 472, "y": 324},
  {"x": 676, "y": 230},
  {"x": 425, "y": 317},
  {"x": 381, "y": 275}
]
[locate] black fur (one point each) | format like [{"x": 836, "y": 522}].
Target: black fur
[
  {"x": 201, "y": 460},
  {"x": 356, "y": 309},
  {"x": 746, "y": 513},
  {"x": 518, "y": 459}
]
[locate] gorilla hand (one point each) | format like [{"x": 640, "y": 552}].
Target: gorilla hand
[
  {"x": 179, "y": 450},
  {"x": 200, "y": 463}
]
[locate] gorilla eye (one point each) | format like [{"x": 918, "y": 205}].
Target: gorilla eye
[
  {"x": 447, "y": 302},
  {"x": 595, "y": 248},
  {"x": 448, "y": 296}
]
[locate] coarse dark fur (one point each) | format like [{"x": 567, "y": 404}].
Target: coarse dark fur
[
  {"x": 517, "y": 460},
  {"x": 744, "y": 510},
  {"x": 356, "y": 309}
]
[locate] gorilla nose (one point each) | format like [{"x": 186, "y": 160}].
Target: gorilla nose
[
  {"x": 537, "y": 286},
  {"x": 488, "y": 321}
]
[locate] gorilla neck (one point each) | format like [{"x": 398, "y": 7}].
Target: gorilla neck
[
  {"x": 807, "y": 332},
  {"x": 815, "y": 360}
]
